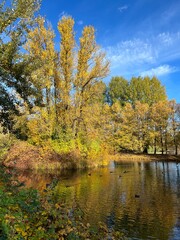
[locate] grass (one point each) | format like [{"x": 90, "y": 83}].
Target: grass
[{"x": 144, "y": 157}]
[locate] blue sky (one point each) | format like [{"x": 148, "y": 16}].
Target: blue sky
[{"x": 140, "y": 37}]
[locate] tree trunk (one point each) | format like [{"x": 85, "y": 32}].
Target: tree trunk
[
  {"x": 145, "y": 150},
  {"x": 55, "y": 101},
  {"x": 162, "y": 146},
  {"x": 166, "y": 145},
  {"x": 155, "y": 149},
  {"x": 48, "y": 100},
  {"x": 176, "y": 150}
]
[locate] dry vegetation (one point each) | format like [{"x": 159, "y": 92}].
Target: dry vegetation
[
  {"x": 145, "y": 157},
  {"x": 23, "y": 155}
]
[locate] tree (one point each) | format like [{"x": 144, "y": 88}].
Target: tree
[
  {"x": 124, "y": 127},
  {"x": 67, "y": 82},
  {"x": 67, "y": 65},
  {"x": 118, "y": 90},
  {"x": 175, "y": 124},
  {"x": 92, "y": 67},
  {"x": 159, "y": 114},
  {"x": 131, "y": 126},
  {"x": 146, "y": 90},
  {"x": 141, "y": 115},
  {"x": 41, "y": 52},
  {"x": 15, "y": 19}
]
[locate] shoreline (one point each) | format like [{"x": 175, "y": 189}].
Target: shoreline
[
  {"x": 23, "y": 156},
  {"x": 145, "y": 157}
]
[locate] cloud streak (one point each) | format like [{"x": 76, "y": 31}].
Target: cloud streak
[
  {"x": 129, "y": 52},
  {"x": 137, "y": 55},
  {"x": 122, "y": 8}
]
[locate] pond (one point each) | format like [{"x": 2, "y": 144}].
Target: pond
[{"x": 139, "y": 199}]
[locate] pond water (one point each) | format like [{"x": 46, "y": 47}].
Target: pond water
[{"x": 137, "y": 198}]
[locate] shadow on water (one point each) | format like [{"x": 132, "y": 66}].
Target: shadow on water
[{"x": 140, "y": 199}]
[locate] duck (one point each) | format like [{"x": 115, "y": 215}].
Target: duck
[{"x": 137, "y": 196}]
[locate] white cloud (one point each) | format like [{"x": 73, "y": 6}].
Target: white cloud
[
  {"x": 123, "y": 8},
  {"x": 165, "y": 38},
  {"x": 137, "y": 55},
  {"x": 130, "y": 52},
  {"x": 159, "y": 71}
]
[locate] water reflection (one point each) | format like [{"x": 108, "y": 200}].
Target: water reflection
[{"x": 140, "y": 199}]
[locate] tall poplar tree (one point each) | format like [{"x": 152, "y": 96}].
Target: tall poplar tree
[
  {"x": 67, "y": 81},
  {"x": 67, "y": 65},
  {"x": 92, "y": 67}
]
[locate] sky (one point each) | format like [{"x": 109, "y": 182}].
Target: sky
[{"x": 140, "y": 37}]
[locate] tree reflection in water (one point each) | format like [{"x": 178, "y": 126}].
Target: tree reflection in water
[{"x": 106, "y": 197}]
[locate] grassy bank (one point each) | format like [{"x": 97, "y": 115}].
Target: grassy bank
[{"x": 145, "y": 157}]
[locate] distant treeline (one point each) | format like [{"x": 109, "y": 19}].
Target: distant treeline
[{"x": 143, "y": 118}]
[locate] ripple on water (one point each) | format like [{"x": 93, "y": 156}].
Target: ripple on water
[{"x": 140, "y": 199}]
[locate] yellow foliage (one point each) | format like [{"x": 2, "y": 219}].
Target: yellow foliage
[{"x": 40, "y": 127}]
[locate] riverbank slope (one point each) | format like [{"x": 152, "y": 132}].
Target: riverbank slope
[{"x": 22, "y": 155}]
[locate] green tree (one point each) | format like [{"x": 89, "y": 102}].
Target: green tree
[
  {"x": 118, "y": 90},
  {"x": 146, "y": 90}
]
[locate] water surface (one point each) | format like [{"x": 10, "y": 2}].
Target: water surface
[{"x": 140, "y": 199}]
